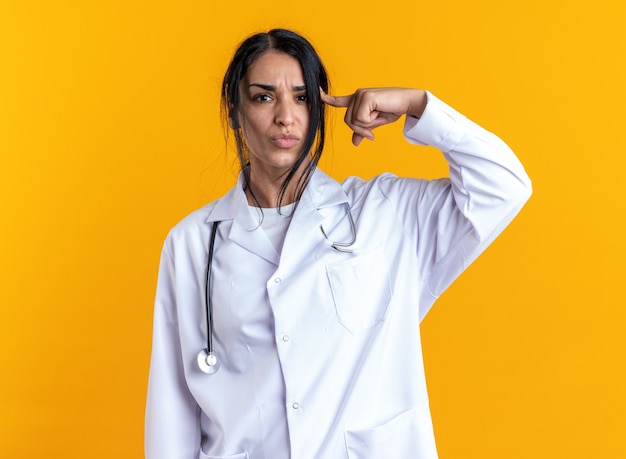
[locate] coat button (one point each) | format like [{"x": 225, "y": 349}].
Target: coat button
[
  {"x": 285, "y": 338},
  {"x": 277, "y": 280},
  {"x": 295, "y": 405}
]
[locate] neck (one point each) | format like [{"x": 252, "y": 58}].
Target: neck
[
  {"x": 264, "y": 193},
  {"x": 263, "y": 190}
]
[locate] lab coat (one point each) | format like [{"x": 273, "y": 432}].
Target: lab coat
[{"x": 320, "y": 350}]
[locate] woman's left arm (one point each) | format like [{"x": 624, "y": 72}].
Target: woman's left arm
[{"x": 451, "y": 220}]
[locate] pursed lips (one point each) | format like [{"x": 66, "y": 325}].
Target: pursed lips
[{"x": 285, "y": 140}]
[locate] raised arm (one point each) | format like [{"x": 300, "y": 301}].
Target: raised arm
[{"x": 453, "y": 219}]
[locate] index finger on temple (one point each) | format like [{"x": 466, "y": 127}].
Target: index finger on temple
[{"x": 336, "y": 101}]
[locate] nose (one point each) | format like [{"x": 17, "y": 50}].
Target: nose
[{"x": 284, "y": 115}]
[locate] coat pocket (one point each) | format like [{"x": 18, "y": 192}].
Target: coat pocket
[
  {"x": 361, "y": 290},
  {"x": 396, "y": 439}
]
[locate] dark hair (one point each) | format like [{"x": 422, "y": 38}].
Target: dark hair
[{"x": 288, "y": 42}]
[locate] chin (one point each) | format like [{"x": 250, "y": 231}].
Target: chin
[
  {"x": 285, "y": 160},
  {"x": 281, "y": 160}
]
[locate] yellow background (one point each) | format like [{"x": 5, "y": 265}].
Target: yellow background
[{"x": 110, "y": 133}]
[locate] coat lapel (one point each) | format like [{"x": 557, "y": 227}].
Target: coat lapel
[
  {"x": 242, "y": 224},
  {"x": 304, "y": 230},
  {"x": 304, "y": 234}
]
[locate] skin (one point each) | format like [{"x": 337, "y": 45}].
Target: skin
[
  {"x": 370, "y": 108},
  {"x": 274, "y": 116}
]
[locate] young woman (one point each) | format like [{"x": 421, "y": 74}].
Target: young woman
[{"x": 287, "y": 312}]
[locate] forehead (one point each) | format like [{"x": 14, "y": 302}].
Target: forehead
[{"x": 274, "y": 67}]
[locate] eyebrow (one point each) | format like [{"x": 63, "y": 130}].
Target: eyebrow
[{"x": 269, "y": 87}]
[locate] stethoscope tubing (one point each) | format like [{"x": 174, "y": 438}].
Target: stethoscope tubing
[
  {"x": 208, "y": 360},
  {"x": 208, "y": 289}
]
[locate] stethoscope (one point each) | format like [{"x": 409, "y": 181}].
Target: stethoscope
[
  {"x": 207, "y": 358},
  {"x": 208, "y": 361}
]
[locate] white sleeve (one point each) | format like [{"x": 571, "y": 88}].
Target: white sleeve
[
  {"x": 172, "y": 427},
  {"x": 454, "y": 219}
]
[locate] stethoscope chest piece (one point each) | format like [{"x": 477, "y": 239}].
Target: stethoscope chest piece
[{"x": 208, "y": 362}]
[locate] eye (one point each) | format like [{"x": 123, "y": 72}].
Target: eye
[
  {"x": 262, "y": 97},
  {"x": 302, "y": 98}
]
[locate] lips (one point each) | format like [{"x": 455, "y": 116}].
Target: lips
[{"x": 285, "y": 140}]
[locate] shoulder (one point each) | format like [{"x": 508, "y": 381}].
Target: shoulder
[
  {"x": 195, "y": 218},
  {"x": 192, "y": 230},
  {"x": 359, "y": 185},
  {"x": 199, "y": 220},
  {"x": 385, "y": 184}
]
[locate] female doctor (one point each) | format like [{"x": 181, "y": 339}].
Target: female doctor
[{"x": 287, "y": 313}]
